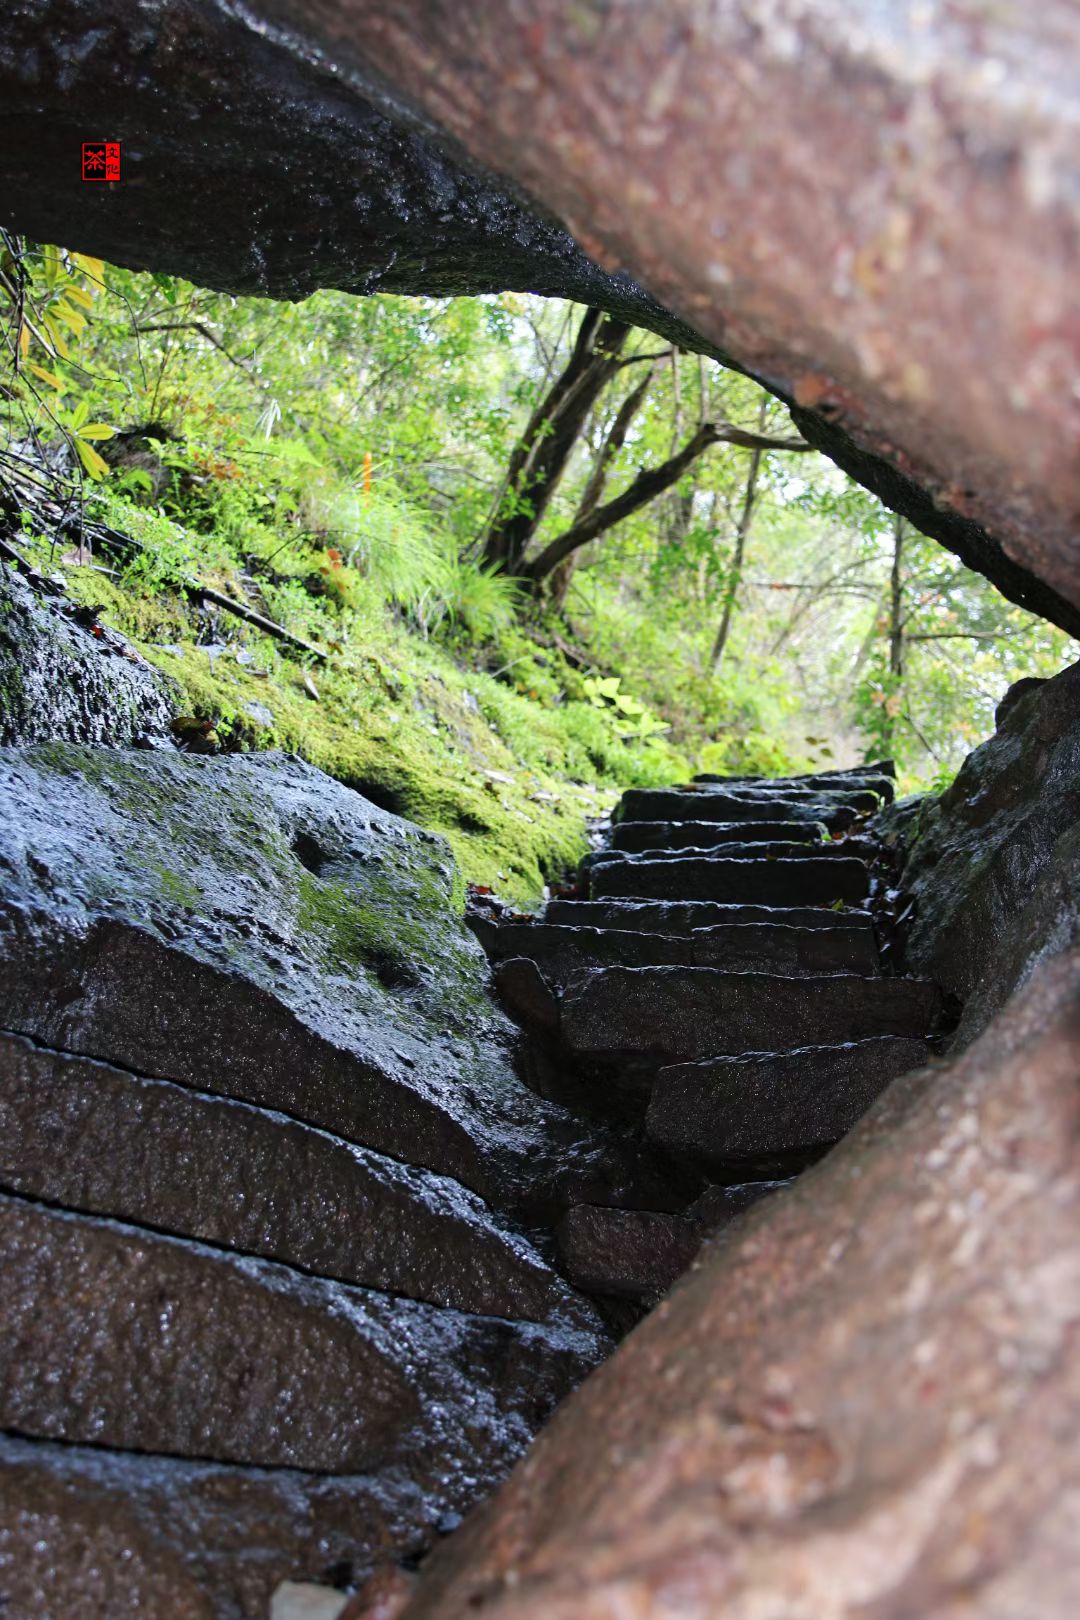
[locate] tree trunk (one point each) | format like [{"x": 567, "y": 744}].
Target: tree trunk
[
  {"x": 590, "y": 500},
  {"x": 742, "y": 531},
  {"x": 896, "y": 636},
  {"x": 896, "y": 603},
  {"x": 541, "y": 454}
]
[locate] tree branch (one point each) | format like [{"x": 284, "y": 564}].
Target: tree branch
[{"x": 645, "y": 488}]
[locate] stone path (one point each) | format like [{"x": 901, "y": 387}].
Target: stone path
[
  {"x": 295, "y": 1263},
  {"x": 718, "y": 986}
]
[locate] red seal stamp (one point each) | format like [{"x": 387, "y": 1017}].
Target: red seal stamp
[{"x": 101, "y": 160}]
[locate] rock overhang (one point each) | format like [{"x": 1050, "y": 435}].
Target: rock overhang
[{"x": 875, "y": 216}]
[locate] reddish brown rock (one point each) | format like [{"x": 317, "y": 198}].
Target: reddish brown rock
[{"x": 863, "y": 1400}]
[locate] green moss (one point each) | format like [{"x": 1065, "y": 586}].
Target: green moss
[
  {"x": 507, "y": 775},
  {"x": 175, "y": 888}
]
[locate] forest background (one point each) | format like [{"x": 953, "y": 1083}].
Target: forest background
[{"x": 391, "y": 481}]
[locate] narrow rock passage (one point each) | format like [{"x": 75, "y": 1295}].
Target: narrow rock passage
[{"x": 719, "y": 986}]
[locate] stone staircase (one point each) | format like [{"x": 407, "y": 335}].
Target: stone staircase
[{"x": 716, "y": 984}]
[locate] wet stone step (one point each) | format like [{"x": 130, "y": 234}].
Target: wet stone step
[
  {"x": 678, "y": 917},
  {"x": 640, "y": 835},
  {"x": 625, "y": 1253},
  {"x": 91, "y": 1137},
  {"x": 119, "y": 1337},
  {"x": 723, "y": 1110},
  {"x": 776, "y": 948},
  {"x": 560, "y": 952},
  {"x": 875, "y": 781},
  {"x": 807, "y": 882},
  {"x": 678, "y": 804},
  {"x": 93, "y": 1534},
  {"x": 861, "y": 849},
  {"x": 672, "y": 1014},
  {"x": 639, "y": 1253}
]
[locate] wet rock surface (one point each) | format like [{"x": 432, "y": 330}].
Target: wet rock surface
[
  {"x": 636, "y": 836},
  {"x": 116, "y": 1536},
  {"x": 703, "y": 803},
  {"x": 243, "y": 1222},
  {"x": 60, "y": 681},
  {"x": 727, "y": 1109},
  {"x": 862, "y": 1398},
  {"x": 670, "y": 1013},
  {"x": 685, "y": 917},
  {"x": 87, "y": 1136},
  {"x": 247, "y": 926},
  {"x": 123, "y": 1338},
  {"x": 991, "y": 864},
  {"x": 778, "y": 882}
]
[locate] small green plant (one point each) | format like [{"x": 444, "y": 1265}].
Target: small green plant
[{"x": 603, "y": 692}]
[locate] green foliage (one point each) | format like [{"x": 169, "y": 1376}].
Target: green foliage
[{"x": 333, "y": 463}]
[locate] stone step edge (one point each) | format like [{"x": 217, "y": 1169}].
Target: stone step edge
[
  {"x": 559, "y": 1319},
  {"x": 760, "y": 1055}
]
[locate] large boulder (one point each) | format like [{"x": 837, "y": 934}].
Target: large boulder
[
  {"x": 992, "y": 863},
  {"x": 861, "y": 1401},
  {"x": 250, "y": 927},
  {"x": 267, "y": 1312}
]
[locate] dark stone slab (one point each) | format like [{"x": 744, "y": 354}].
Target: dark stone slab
[
  {"x": 806, "y": 882},
  {"x": 562, "y": 951},
  {"x": 685, "y": 804},
  {"x": 526, "y": 993},
  {"x": 90, "y": 1137},
  {"x": 665, "y": 1014},
  {"x": 92, "y": 1534},
  {"x": 776, "y": 948},
  {"x": 677, "y": 917},
  {"x": 628, "y": 1253},
  {"x": 727, "y": 1109},
  {"x": 639, "y": 835},
  {"x": 120, "y": 1337}
]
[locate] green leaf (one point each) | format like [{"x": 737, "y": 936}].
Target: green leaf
[
  {"x": 95, "y": 465},
  {"x": 49, "y": 377}
]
